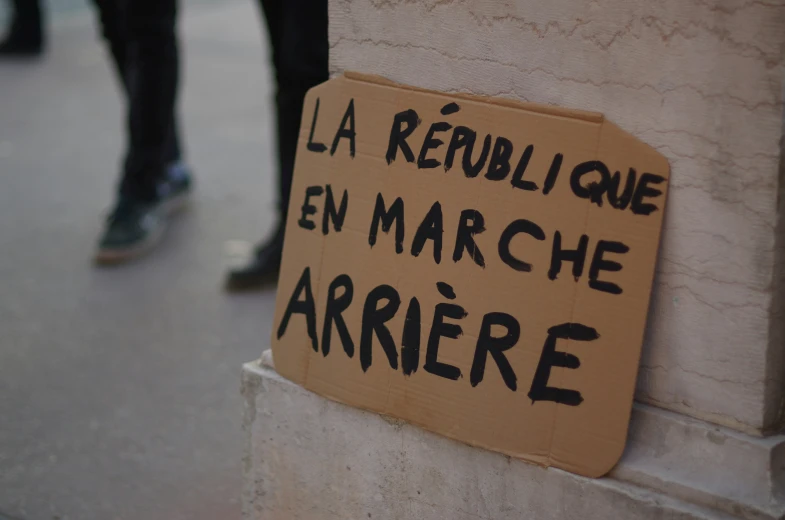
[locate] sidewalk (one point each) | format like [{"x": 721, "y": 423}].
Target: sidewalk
[{"x": 119, "y": 389}]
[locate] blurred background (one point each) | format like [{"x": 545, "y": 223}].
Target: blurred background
[{"x": 119, "y": 388}]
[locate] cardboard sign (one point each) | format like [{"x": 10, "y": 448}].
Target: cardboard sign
[{"x": 478, "y": 267}]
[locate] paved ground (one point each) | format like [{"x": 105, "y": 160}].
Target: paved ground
[{"x": 119, "y": 389}]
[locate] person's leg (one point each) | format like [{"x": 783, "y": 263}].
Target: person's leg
[
  {"x": 115, "y": 34},
  {"x": 298, "y": 34},
  {"x": 25, "y": 36},
  {"x": 113, "y": 31},
  {"x": 273, "y": 15},
  {"x": 148, "y": 65},
  {"x": 304, "y": 64},
  {"x": 151, "y": 80}
]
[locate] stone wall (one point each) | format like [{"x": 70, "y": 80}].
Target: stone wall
[{"x": 702, "y": 82}]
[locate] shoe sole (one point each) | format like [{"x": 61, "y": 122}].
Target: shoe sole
[
  {"x": 176, "y": 204},
  {"x": 107, "y": 257},
  {"x": 119, "y": 256}
]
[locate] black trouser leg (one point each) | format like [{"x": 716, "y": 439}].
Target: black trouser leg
[
  {"x": 141, "y": 35},
  {"x": 298, "y": 37},
  {"x": 113, "y": 30},
  {"x": 151, "y": 81},
  {"x": 115, "y": 33},
  {"x": 27, "y": 11},
  {"x": 300, "y": 49}
]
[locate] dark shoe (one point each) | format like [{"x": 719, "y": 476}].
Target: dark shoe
[
  {"x": 24, "y": 39},
  {"x": 132, "y": 229},
  {"x": 261, "y": 271},
  {"x": 175, "y": 189}
]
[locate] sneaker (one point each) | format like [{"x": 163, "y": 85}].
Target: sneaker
[
  {"x": 132, "y": 229},
  {"x": 262, "y": 270},
  {"x": 175, "y": 189}
]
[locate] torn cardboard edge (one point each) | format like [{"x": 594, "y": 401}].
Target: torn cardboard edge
[{"x": 323, "y": 383}]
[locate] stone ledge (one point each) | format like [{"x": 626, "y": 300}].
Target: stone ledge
[
  {"x": 316, "y": 458},
  {"x": 704, "y": 464}
]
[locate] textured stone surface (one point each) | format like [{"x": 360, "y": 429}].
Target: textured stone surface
[
  {"x": 704, "y": 464},
  {"x": 701, "y": 81},
  {"x": 311, "y": 458}
]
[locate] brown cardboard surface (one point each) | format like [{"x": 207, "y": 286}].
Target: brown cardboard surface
[{"x": 575, "y": 417}]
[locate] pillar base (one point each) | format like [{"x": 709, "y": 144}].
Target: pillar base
[{"x": 311, "y": 458}]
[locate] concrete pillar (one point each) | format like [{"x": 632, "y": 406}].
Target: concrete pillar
[
  {"x": 699, "y": 80},
  {"x": 702, "y": 82}
]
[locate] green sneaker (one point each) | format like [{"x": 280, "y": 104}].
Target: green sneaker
[{"x": 132, "y": 229}]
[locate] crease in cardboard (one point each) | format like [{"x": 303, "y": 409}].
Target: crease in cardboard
[
  {"x": 315, "y": 287},
  {"x": 569, "y": 343}
]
